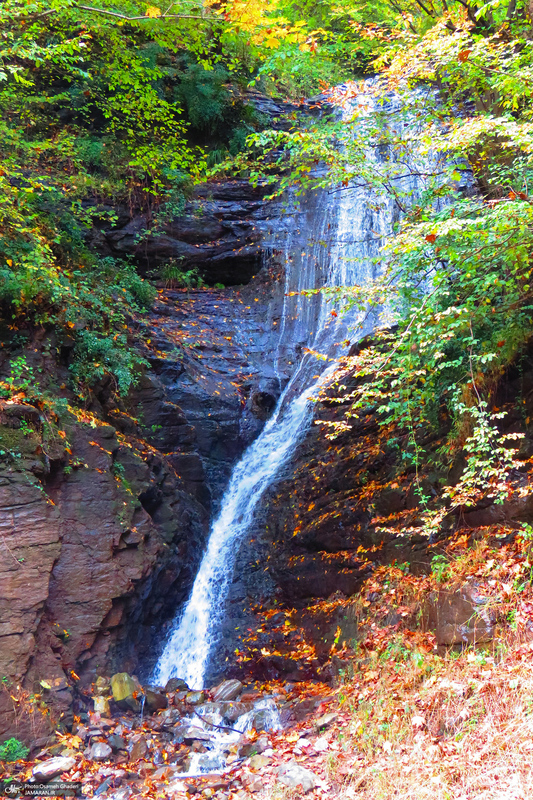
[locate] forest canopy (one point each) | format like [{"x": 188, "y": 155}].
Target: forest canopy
[{"x": 110, "y": 103}]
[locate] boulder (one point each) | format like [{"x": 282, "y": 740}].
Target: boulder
[
  {"x": 47, "y": 770},
  {"x": 154, "y": 701},
  {"x": 461, "y": 616},
  {"x": 176, "y": 685},
  {"x": 125, "y": 691},
  {"x": 227, "y": 690}
]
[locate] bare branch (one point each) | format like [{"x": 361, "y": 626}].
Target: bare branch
[{"x": 143, "y": 18}]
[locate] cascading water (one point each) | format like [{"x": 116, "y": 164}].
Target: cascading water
[{"x": 332, "y": 241}]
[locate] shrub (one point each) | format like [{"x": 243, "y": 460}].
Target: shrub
[{"x": 13, "y": 750}]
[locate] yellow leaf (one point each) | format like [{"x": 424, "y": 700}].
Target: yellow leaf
[
  {"x": 152, "y": 11},
  {"x": 76, "y": 742}
]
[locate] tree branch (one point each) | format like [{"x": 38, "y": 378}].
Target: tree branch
[{"x": 143, "y": 18}]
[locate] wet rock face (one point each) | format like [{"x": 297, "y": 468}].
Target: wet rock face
[
  {"x": 212, "y": 352},
  {"x": 100, "y": 555},
  {"x": 220, "y": 233}
]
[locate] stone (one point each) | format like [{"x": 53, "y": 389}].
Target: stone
[
  {"x": 293, "y": 776},
  {"x": 259, "y": 761},
  {"x": 125, "y": 691},
  {"x": 262, "y": 719},
  {"x": 120, "y": 794},
  {"x": 101, "y": 705},
  {"x": 254, "y": 783},
  {"x": 208, "y": 762},
  {"x": 207, "y": 710},
  {"x": 154, "y": 701},
  {"x": 232, "y": 711},
  {"x": 47, "y": 770},
  {"x": 195, "y": 698},
  {"x": 165, "y": 773},
  {"x": 252, "y": 748},
  {"x": 176, "y": 685},
  {"x": 176, "y": 787},
  {"x": 100, "y": 751},
  {"x": 102, "y": 686},
  {"x": 117, "y": 742},
  {"x": 325, "y": 721},
  {"x": 461, "y": 616},
  {"x": 169, "y": 717},
  {"x": 138, "y": 750},
  {"x": 303, "y": 745},
  {"x": 104, "y": 786},
  {"x": 190, "y": 733},
  {"x": 227, "y": 690}
]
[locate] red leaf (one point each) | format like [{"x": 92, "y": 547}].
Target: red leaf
[
  {"x": 431, "y": 237},
  {"x": 463, "y": 55}
]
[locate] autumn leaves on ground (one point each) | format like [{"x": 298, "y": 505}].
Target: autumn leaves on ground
[{"x": 403, "y": 718}]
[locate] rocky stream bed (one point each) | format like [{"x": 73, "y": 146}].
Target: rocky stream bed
[{"x": 230, "y": 742}]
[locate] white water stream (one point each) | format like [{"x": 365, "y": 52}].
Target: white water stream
[{"x": 330, "y": 241}]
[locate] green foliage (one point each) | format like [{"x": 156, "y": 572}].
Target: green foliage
[
  {"x": 13, "y": 750},
  {"x": 98, "y": 107},
  {"x": 177, "y": 278},
  {"x": 440, "y": 568},
  {"x": 456, "y": 275}
]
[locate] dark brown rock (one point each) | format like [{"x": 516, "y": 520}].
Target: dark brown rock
[{"x": 459, "y": 617}]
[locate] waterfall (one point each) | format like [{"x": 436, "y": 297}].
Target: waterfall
[{"x": 332, "y": 239}]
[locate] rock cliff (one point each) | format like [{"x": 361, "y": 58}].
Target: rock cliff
[{"x": 105, "y": 508}]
